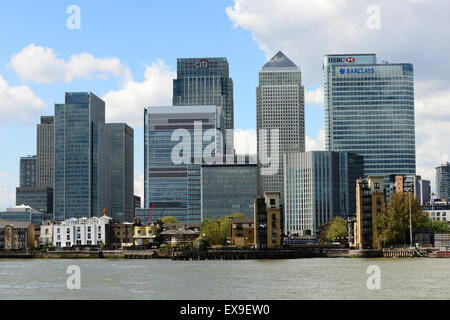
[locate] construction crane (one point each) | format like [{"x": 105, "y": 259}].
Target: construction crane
[{"x": 151, "y": 213}]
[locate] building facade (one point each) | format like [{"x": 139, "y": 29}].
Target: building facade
[
  {"x": 205, "y": 82},
  {"x": 45, "y": 143},
  {"x": 242, "y": 231},
  {"x": 22, "y": 213},
  {"x": 370, "y": 202},
  {"x": 319, "y": 185},
  {"x": 174, "y": 141},
  {"x": 40, "y": 199},
  {"x": 16, "y": 235},
  {"x": 122, "y": 171},
  {"x": 443, "y": 181},
  {"x": 268, "y": 221},
  {"x": 409, "y": 183},
  {"x": 279, "y": 106},
  {"x": 369, "y": 110},
  {"x": 82, "y": 232},
  {"x": 227, "y": 189},
  {"x": 28, "y": 172},
  {"x": 82, "y": 157}
]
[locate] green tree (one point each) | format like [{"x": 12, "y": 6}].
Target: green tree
[
  {"x": 218, "y": 230},
  {"x": 392, "y": 224},
  {"x": 337, "y": 231},
  {"x": 169, "y": 219},
  {"x": 438, "y": 226}
]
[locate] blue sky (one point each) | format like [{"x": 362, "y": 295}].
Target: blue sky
[{"x": 133, "y": 45}]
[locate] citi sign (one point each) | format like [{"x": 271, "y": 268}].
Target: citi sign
[
  {"x": 341, "y": 59},
  {"x": 203, "y": 63}
]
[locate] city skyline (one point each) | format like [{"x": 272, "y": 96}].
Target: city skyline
[{"x": 68, "y": 66}]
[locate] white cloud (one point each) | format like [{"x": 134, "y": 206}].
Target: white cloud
[
  {"x": 317, "y": 144},
  {"x": 41, "y": 65},
  {"x": 127, "y": 104},
  {"x": 18, "y": 103},
  {"x": 245, "y": 141},
  {"x": 314, "y": 97}
]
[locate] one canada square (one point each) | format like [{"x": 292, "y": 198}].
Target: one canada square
[
  {"x": 369, "y": 110},
  {"x": 279, "y": 106}
]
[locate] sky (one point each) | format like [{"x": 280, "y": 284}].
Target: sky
[{"x": 125, "y": 52}]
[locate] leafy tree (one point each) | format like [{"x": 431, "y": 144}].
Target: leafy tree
[
  {"x": 337, "y": 231},
  {"x": 218, "y": 230},
  {"x": 439, "y": 226},
  {"x": 392, "y": 224},
  {"x": 169, "y": 219}
]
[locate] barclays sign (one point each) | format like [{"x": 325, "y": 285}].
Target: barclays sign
[{"x": 356, "y": 70}]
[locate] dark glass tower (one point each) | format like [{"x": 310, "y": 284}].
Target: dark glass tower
[
  {"x": 443, "y": 181},
  {"x": 82, "y": 157},
  {"x": 205, "y": 82},
  {"x": 28, "y": 172}
]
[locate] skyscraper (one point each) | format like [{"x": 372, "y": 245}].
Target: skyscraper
[
  {"x": 82, "y": 157},
  {"x": 443, "y": 181},
  {"x": 28, "y": 172},
  {"x": 122, "y": 171},
  {"x": 45, "y": 143},
  {"x": 280, "y": 105},
  {"x": 319, "y": 185},
  {"x": 369, "y": 110},
  {"x": 172, "y": 187},
  {"x": 205, "y": 82}
]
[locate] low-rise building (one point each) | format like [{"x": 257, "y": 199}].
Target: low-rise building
[
  {"x": 82, "y": 232},
  {"x": 268, "y": 221},
  {"x": 16, "y": 235},
  {"x": 122, "y": 235},
  {"x": 242, "y": 231},
  {"x": 194, "y": 226},
  {"x": 370, "y": 202},
  {"x": 46, "y": 233},
  {"x": 176, "y": 237},
  {"x": 438, "y": 211},
  {"x": 145, "y": 235}
]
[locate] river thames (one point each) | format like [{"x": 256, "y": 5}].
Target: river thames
[{"x": 317, "y": 278}]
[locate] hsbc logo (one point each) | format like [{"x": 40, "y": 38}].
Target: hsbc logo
[{"x": 341, "y": 59}]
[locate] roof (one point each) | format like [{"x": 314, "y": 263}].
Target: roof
[
  {"x": 242, "y": 220},
  {"x": 179, "y": 231},
  {"x": 15, "y": 224},
  {"x": 180, "y": 225},
  {"x": 280, "y": 61}
]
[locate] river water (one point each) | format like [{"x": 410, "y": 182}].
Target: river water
[{"x": 318, "y": 278}]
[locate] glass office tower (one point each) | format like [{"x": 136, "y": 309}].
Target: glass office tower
[
  {"x": 45, "y": 142},
  {"x": 172, "y": 188},
  {"x": 319, "y": 185},
  {"x": 28, "y": 172},
  {"x": 280, "y": 105},
  {"x": 443, "y": 181},
  {"x": 122, "y": 171},
  {"x": 82, "y": 157},
  {"x": 369, "y": 110},
  {"x": 205, "y": 82}
]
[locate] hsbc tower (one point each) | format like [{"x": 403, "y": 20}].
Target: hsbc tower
[{"x": 369, "y": 110}]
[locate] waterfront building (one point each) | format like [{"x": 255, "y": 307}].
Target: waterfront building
[
  {"x": 16, "y": 235},
  {"x": 39, "y": 198},
  {"x": 227, "y": 189},
  {"x": 46, "y": 233},
  {"x": 443, "y": 181},
  {"x": 82, "y": 158},
  {"x": 268, "y": 221},
  {"x": 22, "y": 213},
  {"x": 45, "y": 143},
  {"x": 319, "y": 185},
  {"x": 82, "y": 232},
  {"x": 122, "y": 171},
  {"x": 370, "y": 202},
  {"x": 369, "y": 110},
  {"x": 242, "y": 231},
  {"x": 279, "y": 106},
  {"x": 28, "y": 172},
  {"x": 419, "y": 188},
  {"x": 206, "y": 82},
  {"x": 177, "y": 237},
  {"x": 438, "y": 211},
  {"x": 122, "y": 234},
  {"x": 144, "y": 235},
  {"x": 174, "y": 141},
  {"x": 195, "y": 226}
]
